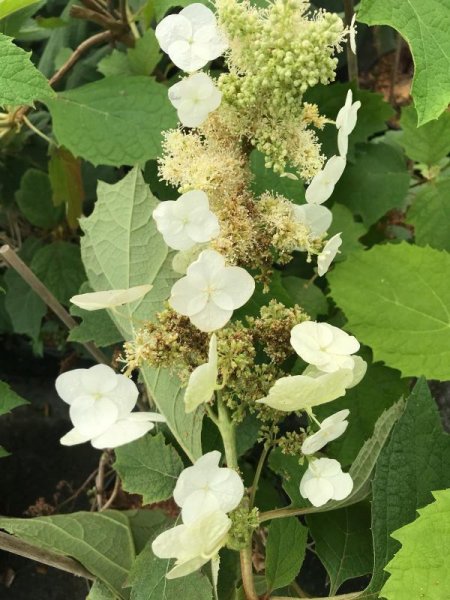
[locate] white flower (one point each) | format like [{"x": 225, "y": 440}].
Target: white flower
[
  {"x": 330, "y": 429},
  {"x": 317, "y": 218},
  {"x": 110, "y": 298},
  {"x": 323, "y": 345},
  {"x": 203, "y": 380},
  {"x": 191, "y": 38},
  {"x": 303, "y": 392},
  {"x": 210, "y": 291},
  {"x": 324, "y": 481},
  {"x": 193, "y": 544},
  {"x": 328, "y": 254},
  {"x": 205, "y": 487},
  {"x": 346, "y": 122},
  {"x": 322, "y": 184},
  {"x": 352, "y": 34},
  {"x": 101, "y": 402},
  {"x": 194, "y": 98},
  {"x": 358, "y": 369},
  {"x": 187, "y": 221}
]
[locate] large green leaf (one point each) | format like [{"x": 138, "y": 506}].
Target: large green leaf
[
  {"x": 397, "y": 301},
  {"x": 20, "y": 81},
  {"x": 343, "y": 542},
  {"x": 380, "y": 389},
  {"x": 425, "y": 26},
  {"x": 351, "y": 230},
  {"x": 427, "y": 144},
  {"x": 24, "y": 307},
  {"x": 422, "y": 561},
  {"x": 377, "y": 182},
  {"x": 114, "y": 121},
  {"x": 121, "y": 248},
  {"x": 140, "y": 60},
  {"x": 149, "y": 467},
  {"x": 58, "y": 265},
  {"x": 8, "y": 7},
  {"x": 430, "y": 215},
  {"x": 148, "y": 580},
  {"x": 9, "y": 399},
  {"x": 101, "y": 542},
  {"x": 413, "y": 463},
  {"x": 285, "y": 551},
  {"x": 35, "y": 200}
]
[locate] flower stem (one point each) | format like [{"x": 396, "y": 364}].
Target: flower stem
[
  {"x": 227, "y": 431},
  {"x": 352, "y": 60},
  {"x": 258, "y": 472},
  {"x": 280, "y": 513},
  {"x": 247, "y": 573}
]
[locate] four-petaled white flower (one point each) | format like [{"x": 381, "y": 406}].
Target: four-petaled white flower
[
  {"x": 191, "y": 38},
  {"x": 324, "y": 481},
  {"x": 322, "y": 184},
  {"x": 328, "y": 254},
  {"x": 194, "y": 98},
  {"x": 193, "y": 543},
  {"x": 346, "y": 122},
  {"x": 330, "y": 429},
  {"x": 206, "y": 487},
  {"x": 101, "y": 402},
  {"x": 211, "y": 291},
  {"x": 203, "y": 380},
  {"x": 304, "y": 392},
  {"x": 323, "y": 345},
  {"x": 187, "y": 221},
  {"x": 317, "y": 218},
  {"x": 110, "y": 298}
]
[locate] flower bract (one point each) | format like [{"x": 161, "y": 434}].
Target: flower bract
[
  {"x": 110, "y": 298},
  {"x": 187, "y": 221},
  {"x": 194, "y": 98},
  {"x": 346, "y": 122},
  {"x": 191, "y": 38},
  {"x": 206, "y": 486},
  {"x": 203, "y": 380},
  {"x": 330, "y": 429},
  {"x": 322, "y": 184},
  {"x": 328, "y": 254},
  {"x": 211, "y": 291},
  {"x": 323, "y": 345},
  {"x": 101, "y": 402},
  {"x": 324, "y": 481},
  {"x": 317, "y": 218}
]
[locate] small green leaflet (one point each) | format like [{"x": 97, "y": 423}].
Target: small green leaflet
[
  {"x": 9, "y": 399},
  {"x": 122, "y": 118},
  {"x": 430, "y": 215},
  {"x": 285, "y": 551},
  {"x": 422, "y": 561},
  {"x": 424, "y": 24},
  {"x": 149, "y": 467},
  {"x": 35, "y": 200},
  {"x": 8, "y": 7},
  {"x": 20, "y": 81},
  {"x": 397, "y": 301}
]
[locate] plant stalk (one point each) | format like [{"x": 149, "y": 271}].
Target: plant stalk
[
  {"x": 248, "y": 582},
  {"x": 352, "y": 59},
  {"x": 228, "y": 432}
]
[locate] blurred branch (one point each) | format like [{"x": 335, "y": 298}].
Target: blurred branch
[
  {"x": 352, "y": 60},
  {"x": 46, "y": 557}
]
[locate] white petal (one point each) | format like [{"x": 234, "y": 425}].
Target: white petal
[
  {"x": 318, "y": 491},
  {"x": 192, "y": 114},
  {"x": 184, "y": 258},
  {"x": 211, "y": 318},
  {"x": 124, "y": 395},
  {"x": 186, "y": 297},
  {"x": 201, "y": 386},
  {"x": 342, "y": 342},
  {"x": 359, "y": 370},
  {"x": 99, "y": 379},
  {"x": 334, "y": 168},
  {"x": 171, "y": 29},
  {"x": 196, "y": 477},
  {"x": 319, "y": 190},
  {"x": 92, "y": 417},
  {"x": 328, "y": 254},
  {"x": 69, "y": 385},
  {"x": 317, "y": 218},
  {"x": 110, "y": 298},
  {"x": 208, "y": 264},
  {"x": 342, "y": 141},
  {"x": 336, "y": 418},
  {"x": 186, "y": 568},
  {"x": 199, "y": 503},
  {"x": 238, "y": 284},
  {"x": 73, "y": 437},
  {"x": 167, "y": 544},
  {"x": 122, "y": 432},
  {"x": 204, "y": 229},
  {"x": 343, "y": 485},
  {"x": 187, "y": 56},
  {"x": 147, "y": 416},
  {"x": 198, "y": 15}
]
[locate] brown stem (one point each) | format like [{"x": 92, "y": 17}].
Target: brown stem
[
  {"x": 98, "y": 38},
  {"x": 13, "y": 260},
  {"x": 247, "y": 573},
  {"x": 113, "y": 494},
  {"x": 395, "y": 66},
  {"x": 100, "y": 479},
  {"x": 46, "y": 557}
]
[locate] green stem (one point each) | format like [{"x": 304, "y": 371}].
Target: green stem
[
  {"x": 352, "y": 60},
  {"x": 352, "y": 596},
  {"x": 280, "y": 513},
  {"x": 258, "y": 472},
  {"x": 228, "y": 432}
]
